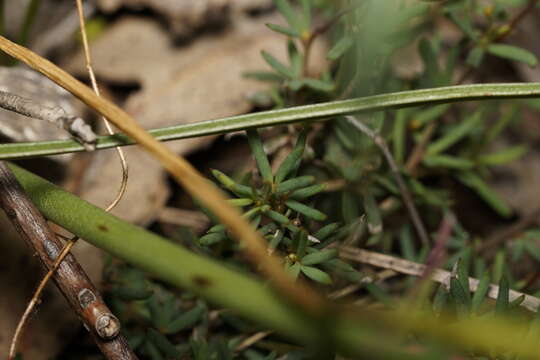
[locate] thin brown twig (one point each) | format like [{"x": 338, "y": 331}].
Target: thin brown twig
[
  {"x": 404, "y": 190},
  {"x": 71, "y": 242},
  {"x": 403, "y": 266},
  {"x": 70, "y": 278}
]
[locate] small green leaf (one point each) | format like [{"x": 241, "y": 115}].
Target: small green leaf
[
  {"x": 293, "y": 270},
  {"x": 276, "y": 239},
  {"x": 186, "y": 320},
  {"x": 485, "y": 192},
  {"x": 447, "y": 161},
  {"x": 373, "y": 214},
  {"x": 319, "y": 85},
  {"x": 480, "y": 293},
  {"x": 212, "y": 238},
  {"x": 340, "y": 48},
  {"x": 463, "y": 277},
  {"x": 302, "y": 242},
  {"x": 460, "y": 297},
  {"x": 455, "y": 134},
  {"x": 294, "y": 184},
  {"x": 475, "y": 57},
  {"x": 429, "y": 57},
  {"x": 259, "y": 154},
  {"x": 514, "y": 53},
  {"x": 463, "y": 22},
  {"x": 277, "y": 65},
  {"x": 431, "y": 113},
  {"x": 306, "y": 192},
  {"x": 406, "y": 243},
  {"x": 319, "y": 257},
  {"x": 295, "y": 85},
  {"x": 305, "y": 210},
  {"x": 502, "y": 303},
  {"x": 240, "y": 202},
  {"x": 326, "y": 231},
  {"x": 284, "y": 30},
  {"x": 163, "y": 344},
  {"x": 223, "y": 179},
  {"x": 296, "y": 58},
  {"x": 498, "y": 266},
  {"x": 349, "y": 207},
  {"x": 504, "y": 156},
  {"x": 274, "y": 215},
  {"x": 231, "y": 185},
  {"x": 288, "y": 12},
  {"x": 291, "y": 161},
  {"x": 306, "y": 13},
  {"x": 316, "y": 275}
]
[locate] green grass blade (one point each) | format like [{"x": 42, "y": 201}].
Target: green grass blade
[{"x": 322, "y": 111}]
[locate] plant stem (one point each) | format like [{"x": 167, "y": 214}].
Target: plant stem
[
  {"x": 322, "y": 111},
  {"x": 396, "y": 172}
]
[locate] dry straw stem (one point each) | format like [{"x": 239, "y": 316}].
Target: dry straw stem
[
  {"x": 441, "y": 276},
  {"x": 81, "y": 294},
  {"x": 183, "y": 172}
]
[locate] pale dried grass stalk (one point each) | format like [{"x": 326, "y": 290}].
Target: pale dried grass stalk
[{"x": 438, "y": 275}]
